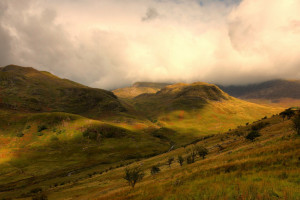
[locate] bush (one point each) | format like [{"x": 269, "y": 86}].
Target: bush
[
  {"x": 296, "y": 124},
  {"x": 180, "y": 160},
  {"x": 41, "y": 128},
  {"x": 98, "y": 131},
  {"x": 202, "y": 151},
  {"x": 40, "y": 197},
  {"x": 287, "y": 113},
  {"x": 154, "y": 170},
  {"x": 133, "y": 175},
  {"x": 36, "y": 190},
  {"x": 190, "y": 159},
  {"x": 170, "y": 160},
  {"x": 252, "y": 135},
  {"x": 20, "y": 134},
  {"x": 39, "y": 133},
  {"x": 259, "y": 126}
]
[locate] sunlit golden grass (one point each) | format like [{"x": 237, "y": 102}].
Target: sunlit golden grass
[
  {"x": 265, "y": 169},
  {"x": 216, "y": 117}
]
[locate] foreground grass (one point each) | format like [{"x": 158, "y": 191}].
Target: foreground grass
[{"x": 265, "y": 169}]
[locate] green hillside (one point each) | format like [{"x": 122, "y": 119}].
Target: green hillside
[
  {"x": 235, "y": 168},
  {"x": 55, "y": 133},
  {"x": 139, "y": 88},
  {"x": 198, "y": 109},
  {"x": 27, "y": 89}
]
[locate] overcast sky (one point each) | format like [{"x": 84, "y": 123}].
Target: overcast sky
[{"x": 113, "y": 43}]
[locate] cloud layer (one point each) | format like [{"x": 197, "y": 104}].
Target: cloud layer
[{"x": 110, "y": 44}]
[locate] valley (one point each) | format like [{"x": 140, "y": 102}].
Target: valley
[{"x": 65, "y": 140}]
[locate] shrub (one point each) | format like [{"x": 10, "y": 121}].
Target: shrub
[
  {"x": 154, "y": 170},
  {"x": 170, "y": 160},
  {"x": 36, "y": 190},
  {"x": 296, "y": 124},
  {"x": 287, "y": 113},
  {"x": 180, "y": 160},
  {"x": 190, "y": 159},
  {"x": 98, "y": 131},
  {"x": 202, "y": 151},
  {"x": 252, "y": 135},
  {"x": 20, "y": 134},
  {"x": 133, "y": 175},
  {"x": 40, "y": 197},
  {"x": 39, "y": 133},
  {"x": 259, "y": 126},
  {"x": 42, "y": 127},
  {"x": 28, "y": 127}
]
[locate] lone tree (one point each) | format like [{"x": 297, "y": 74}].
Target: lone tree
[
  {"x": 180, "y": 160},
  {"x": 296, "y": 124},
  {"x": 202, "y": 151},
  {"x": 191, "y": 157},
  {"x": 252, "y": 135},
  {"x": 154, "y": 170},
  {"x": 133, "y": 175},
  {"x": 170, "y": 160}
]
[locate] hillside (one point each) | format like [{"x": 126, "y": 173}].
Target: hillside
[
  {"x": 282, "y": 92},
  {"x": 27, "y": 89},
  {"x": 235, "y": 168},
  {"x": 198, "y": 108},
  {"x": 139, "y": 88},
  {"x": 55, "y": 132}
]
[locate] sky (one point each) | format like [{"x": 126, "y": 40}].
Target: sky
[{"x": 113, "y": 43}]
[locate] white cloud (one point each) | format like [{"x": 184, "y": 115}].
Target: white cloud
[{"x": 107, "y": 44}]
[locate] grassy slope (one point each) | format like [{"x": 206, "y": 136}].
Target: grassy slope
[
  {"x": 131, "y": 92},
  {"x": 27, "y": 89},
  {"x": 198, "y": 109},
  {"x": 62, "y": 148},
  {"x": 139, "y": 88},
  {"x": 265, "y": 169}
]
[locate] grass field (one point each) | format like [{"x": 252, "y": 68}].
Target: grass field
[{"x": 267, "y": 168}]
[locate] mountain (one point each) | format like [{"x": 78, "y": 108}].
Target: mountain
[
  {"x": 275, "y": 91},
  {"x": 27, "y": 89},
  {"x": 55, "y": 133},
  {"x": 198, "y": 109},
  {"x": 139, "y": 88}
]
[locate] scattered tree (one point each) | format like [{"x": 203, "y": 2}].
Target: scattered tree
[
  {"x": 180, "y": 160},
  {"x": 202, "y": 151},
  {"x": 190, "y": 159},
  {"x": 252, "y": 135},
  {"x": 133, "y": 175},
  {"x": 170, "y": 160},
  {"x": 154, "y": 170},
  {"x": 296, "y": 124}
]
